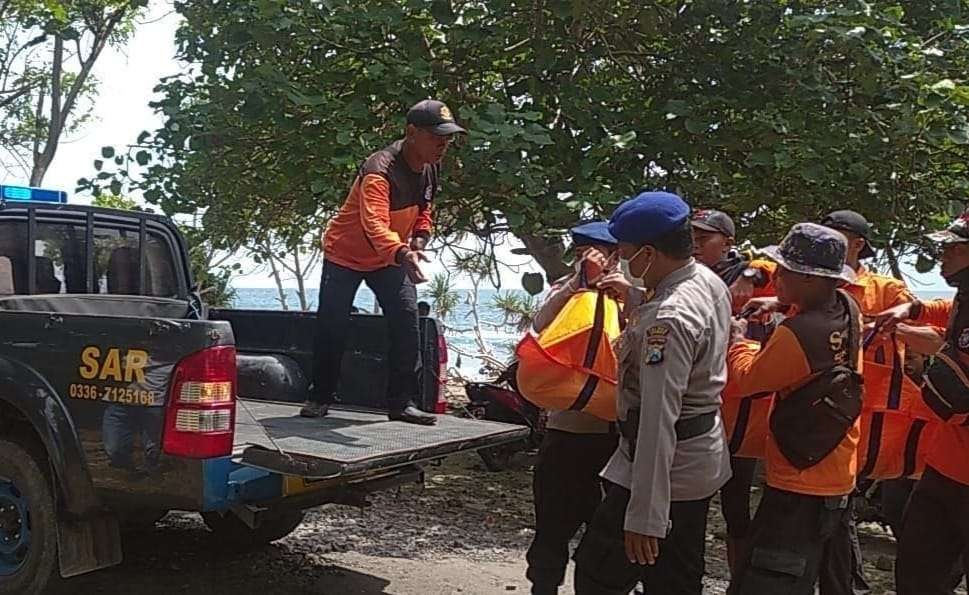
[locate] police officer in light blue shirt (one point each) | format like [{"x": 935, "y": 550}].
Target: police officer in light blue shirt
[{"x": 672, "y": 456}]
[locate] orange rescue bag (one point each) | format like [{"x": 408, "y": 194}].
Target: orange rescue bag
[
  {"x": 897, "y": 427},
  {"x": 571, "y": 364}
]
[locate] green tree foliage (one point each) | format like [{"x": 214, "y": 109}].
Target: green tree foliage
[
  {"x": 444, "y": 298},
  {"x": 48, "y": 49},
  {"x": 774, "y": 110}
]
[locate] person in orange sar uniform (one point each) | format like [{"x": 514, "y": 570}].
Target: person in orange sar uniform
[
  {"x": 935, "y": 528},
  {"x": 378, "y": 237},
  {"x": 800, "y": 533},
  {"x": 890, "y": 438}
]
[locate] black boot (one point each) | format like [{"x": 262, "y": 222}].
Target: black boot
[
  {"x": 412, "y": 415},
  {"x": 314, "y": 409}
]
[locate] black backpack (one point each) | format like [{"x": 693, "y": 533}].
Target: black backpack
[
  {"x": 946, "y": 388},
  {"x": 810, "y": 422}
]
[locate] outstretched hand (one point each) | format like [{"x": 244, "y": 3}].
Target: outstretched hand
[{"x": 411, "y": 262}]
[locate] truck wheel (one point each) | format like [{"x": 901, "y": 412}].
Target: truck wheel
[
  {"x": 28, "y": 524},
  {"x": 272, "y": 526}
]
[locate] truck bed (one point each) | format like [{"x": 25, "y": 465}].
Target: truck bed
[{"x": 272, "y": 436}]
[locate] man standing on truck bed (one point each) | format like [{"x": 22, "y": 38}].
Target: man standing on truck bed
[{"x": 378, "y": 237}]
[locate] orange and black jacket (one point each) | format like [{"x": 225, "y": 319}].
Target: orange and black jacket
[
  {"x": 388, "y": 204},
  {"x": 897, "y": 428},
  {"x": 801, "y": 347},
  {"x": 947, "y": 453}
]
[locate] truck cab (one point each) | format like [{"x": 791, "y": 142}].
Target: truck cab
[{"x": 123, "y": 397}]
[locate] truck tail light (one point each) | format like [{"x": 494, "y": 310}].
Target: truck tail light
[
  {"x": 200, "y": 415},
  {"x": 441, "y": 405}
]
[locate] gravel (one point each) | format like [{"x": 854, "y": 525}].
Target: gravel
[{"x": 465, "y": 531}]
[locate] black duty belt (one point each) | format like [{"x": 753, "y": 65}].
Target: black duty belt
[{"x": 686, "y": 428}]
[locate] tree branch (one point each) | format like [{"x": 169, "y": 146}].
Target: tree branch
[{"x": 16, "y": 94}]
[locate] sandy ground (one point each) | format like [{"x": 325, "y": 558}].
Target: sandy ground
[{"x": 465, "y": 532}]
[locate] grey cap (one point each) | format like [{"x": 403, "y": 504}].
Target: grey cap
[
  {"x": 434, "y": 117},
  {"x": 812, "y": 249},
  {"x": 715, "y": 221}
]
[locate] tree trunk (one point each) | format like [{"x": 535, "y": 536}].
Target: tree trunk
[
  {"x": 62, "y": 104},
  {"x": 278, "y": 280},
  {"x": 55, "y": 125},
  {"x": 300, "y": 283},
  {"x": 548, "y": 253},
  {"x": 38, "y": 132}
]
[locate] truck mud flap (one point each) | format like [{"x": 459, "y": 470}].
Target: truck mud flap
[{"x": 272, "y": 436}]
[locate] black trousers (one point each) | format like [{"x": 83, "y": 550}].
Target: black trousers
[
  {"x": 567, "y": 491},
  {"x": 894, "y": 498},
  {"x": 735, "y": 497},
  {"x": 601, "y": 565},
  {"x": 935, "y": 533},
  {"x": 859, "y": 581},
  {"x": 397, "y": 297},
  {"x": 795, "y": 541}
]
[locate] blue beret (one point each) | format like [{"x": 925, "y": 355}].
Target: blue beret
[
  {"x": 595, "y": 232},
  {"x": 649, "y": 216}
]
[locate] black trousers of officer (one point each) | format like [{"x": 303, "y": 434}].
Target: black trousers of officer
[
  {"x": 795, "y": 541},
  {"x": 935, "y": 533},
  {"x": 567, "y": 491},
  {"x": 601, "y": 564},
  {"x": 735, "y": 497},
  {"x": 397, "y": 297}
]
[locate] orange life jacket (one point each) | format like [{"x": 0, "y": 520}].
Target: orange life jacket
[{"x": 571, "y": 364}]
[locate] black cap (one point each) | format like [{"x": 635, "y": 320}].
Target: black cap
[
  {"x": 715, "y": 221},
  {"x": 434, "y": 117},
  {"x": 852, "y": 222}
]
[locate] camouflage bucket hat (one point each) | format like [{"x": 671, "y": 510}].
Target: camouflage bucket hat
[
  {"x": 956, "y": 233},
  {"x": 812, "y": 249}
]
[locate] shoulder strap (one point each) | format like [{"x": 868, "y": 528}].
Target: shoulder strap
[
  {"x": 851, "y": 309},
  {"x": 595, "y": 335}
]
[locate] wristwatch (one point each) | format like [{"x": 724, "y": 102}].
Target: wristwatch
[{"x": 755, "y": 276}]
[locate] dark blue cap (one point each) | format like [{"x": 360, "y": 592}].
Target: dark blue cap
[
  {"x": 648, "y": 217},
  {"x": 594, "y": 232}
]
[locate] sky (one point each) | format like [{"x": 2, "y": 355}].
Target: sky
[{"x": 127, "y": 76}]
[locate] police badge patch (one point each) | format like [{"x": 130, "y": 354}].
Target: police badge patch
[
  {"x": 656, "y": 343},
  {"x": 964, "y": 339}
]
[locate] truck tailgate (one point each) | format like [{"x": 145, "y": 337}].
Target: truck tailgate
[{"x": 273, "y": 437}]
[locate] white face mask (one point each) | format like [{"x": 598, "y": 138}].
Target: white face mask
[{"x": 624, "y": 266}]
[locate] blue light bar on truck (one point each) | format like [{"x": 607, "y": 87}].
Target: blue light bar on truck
[{"x": 32, "y": 194}]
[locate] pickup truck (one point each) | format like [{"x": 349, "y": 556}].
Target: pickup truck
[{"x": 123, "y": 397}]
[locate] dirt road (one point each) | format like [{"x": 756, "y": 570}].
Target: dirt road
[{"x": 465, "y": 532}]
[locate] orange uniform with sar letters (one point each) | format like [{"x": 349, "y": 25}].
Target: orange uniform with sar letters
[
  {"x": 896, "y": 426},
  {"x": 388, "y": 204},
  {"x": 947, "y": 452},
  {"x": 802, "y": 346}
]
